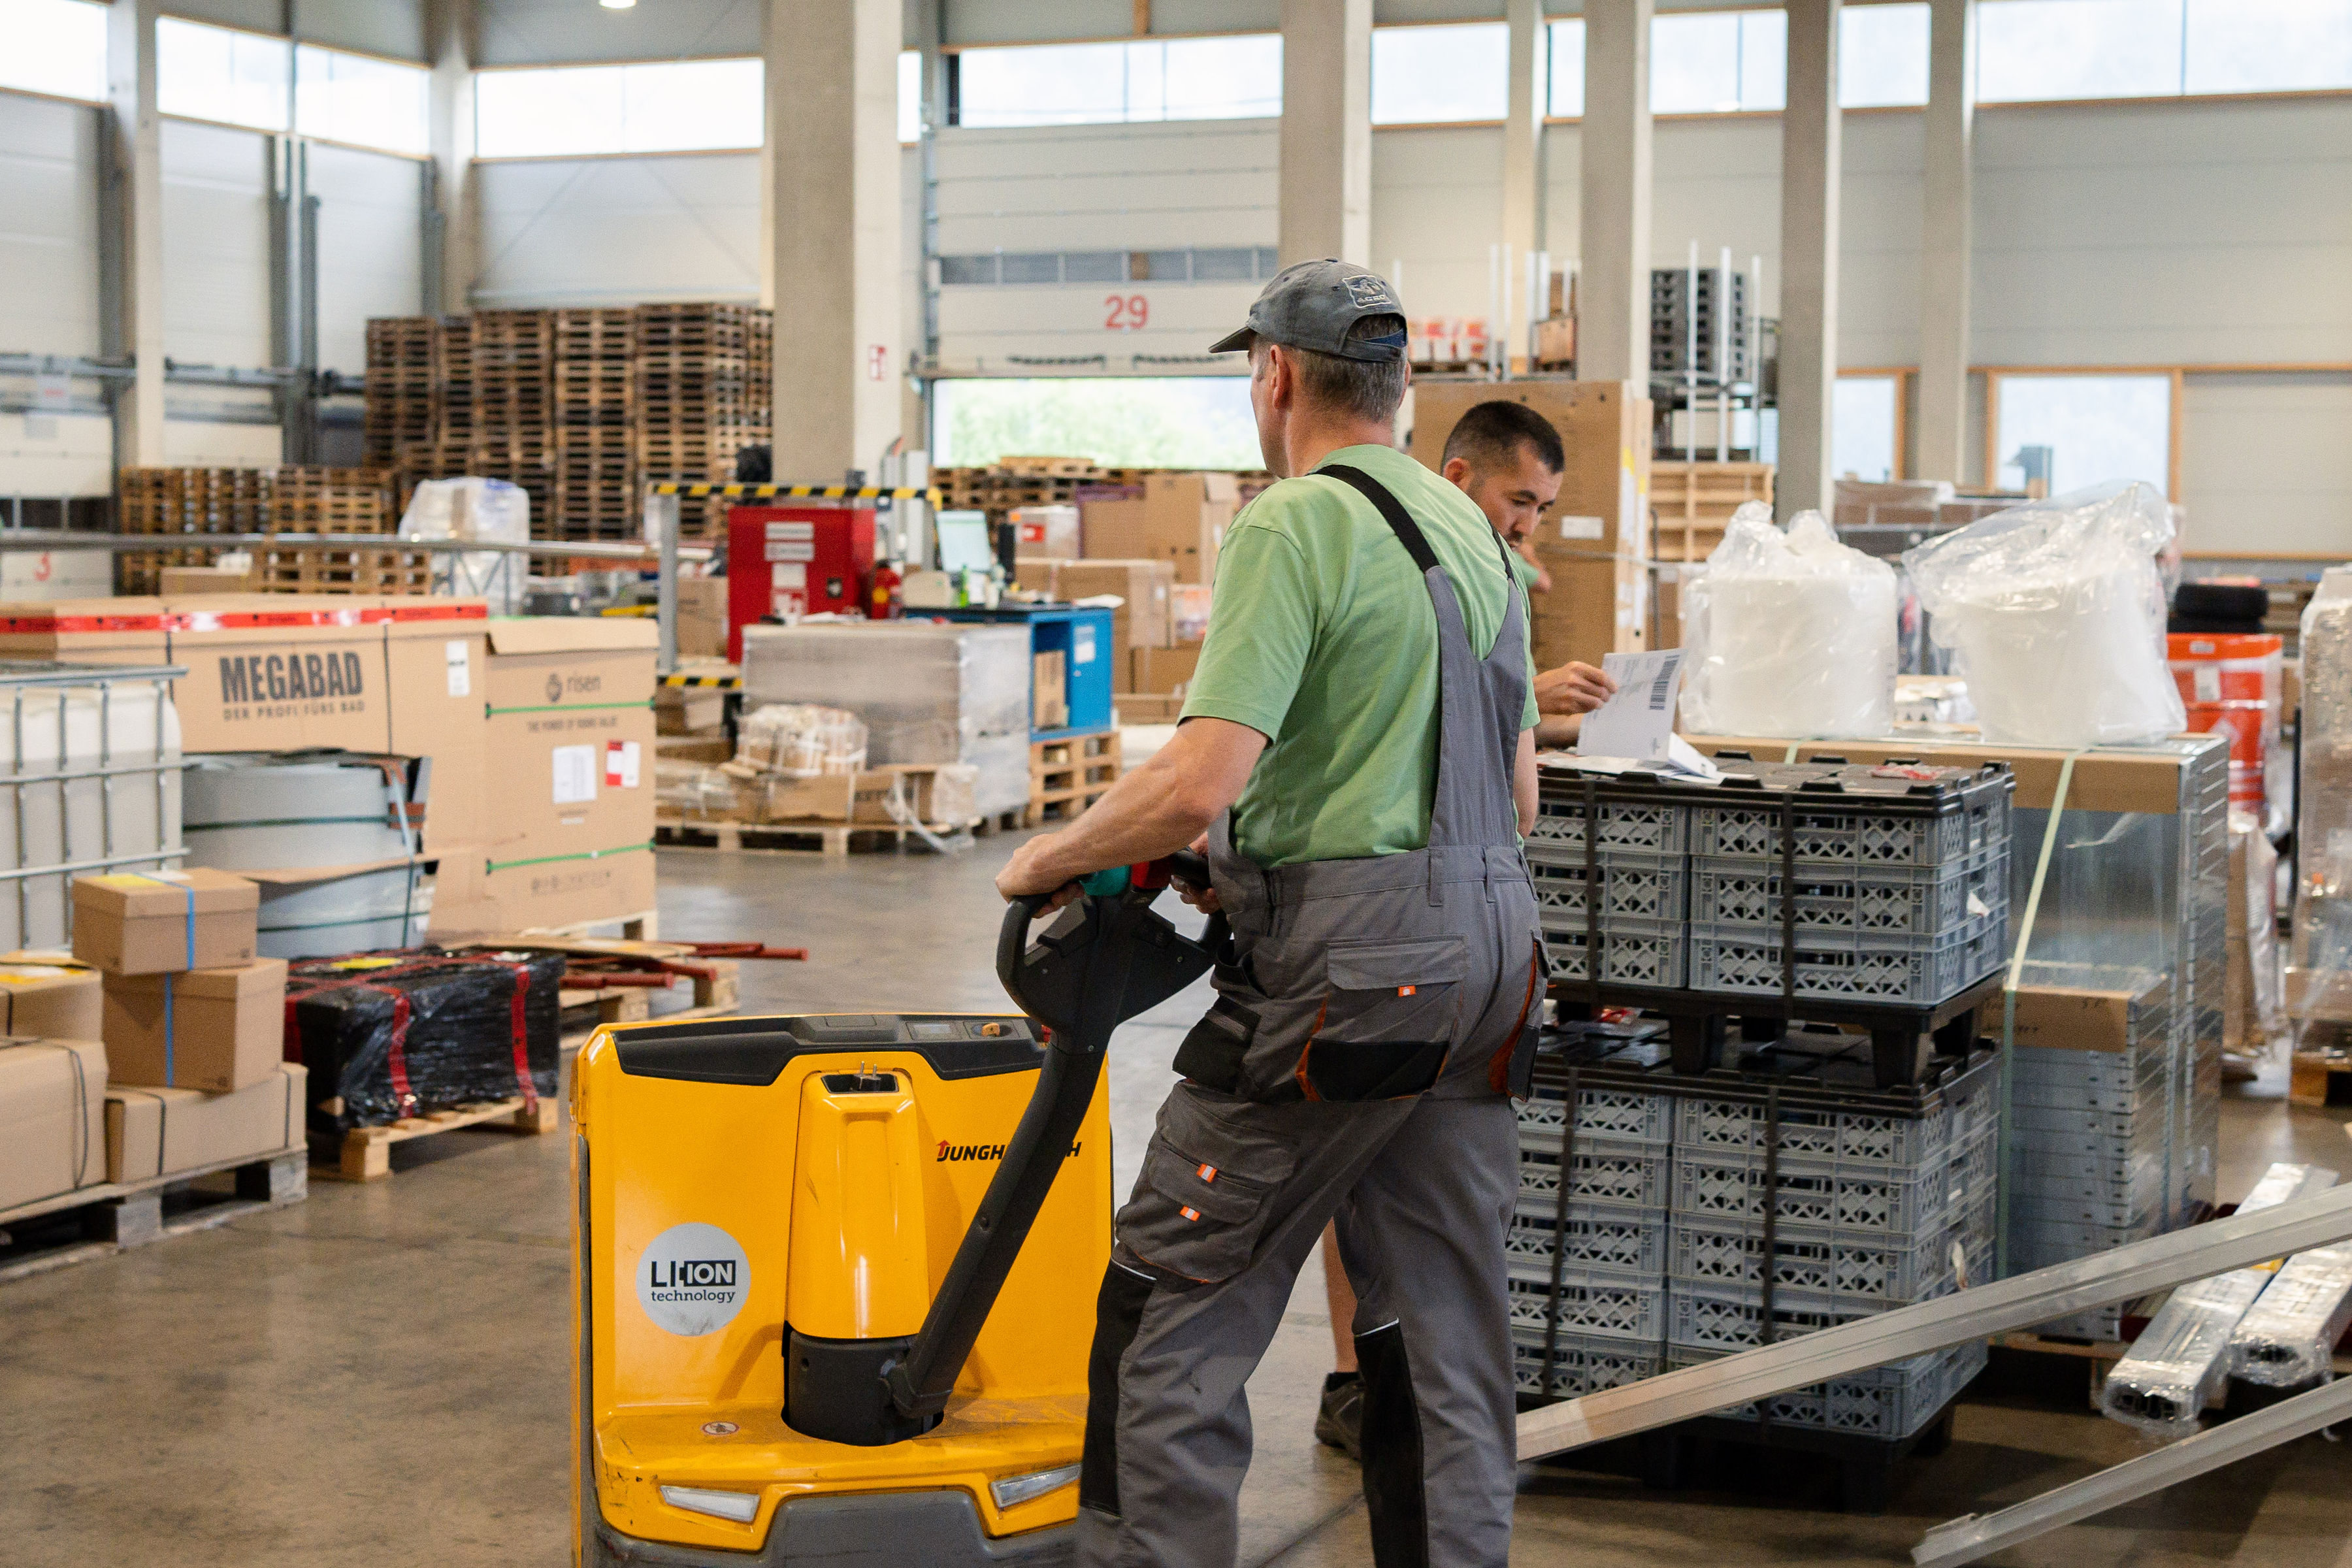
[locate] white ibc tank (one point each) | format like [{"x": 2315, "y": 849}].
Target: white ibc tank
[{"x": 89, "y": 782}]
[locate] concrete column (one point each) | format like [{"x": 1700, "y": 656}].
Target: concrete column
[
  {"x": 453, "y": 232},
  {"x": 1326, "y": 130},
  {"x": 1945, "y": 239},
  {"x": 832, "y": 222},
  {"x": 135, "y": 226},
  {"x": 1612, "y": 328},
  {"x": 1523, "y": 129},
  {"x": 1809, "y": 158}
]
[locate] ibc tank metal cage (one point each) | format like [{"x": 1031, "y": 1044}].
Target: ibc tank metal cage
[{"x": 91, "y": 782}]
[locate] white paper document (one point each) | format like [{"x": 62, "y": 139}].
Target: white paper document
[{"x": 1639, "y": 721}]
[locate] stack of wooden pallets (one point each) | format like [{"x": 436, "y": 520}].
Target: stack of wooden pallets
[
  {"x": 595, "y": 460},
  {"x": 187, "y": 504}
]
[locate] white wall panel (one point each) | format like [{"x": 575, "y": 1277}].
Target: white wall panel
[
  {"x": 48, "y": 227},
  {"x": 58, "y": 454},
  {"x": 204, "y": 443},
  {"x": 2265, "y": 465},
  {"x": 1107, "y": 187},
  {"x": 369, "y": 244},
  {"x": 542, "y": 32},
  {"x": 619, "y": 230},
  {"x": 216, "y": 245},
  {"x": 1437, "y": 204},
  {"x": 1051, "y": 321},
  {"x": 395, "y": 28},
  {"x": 2203, "y": 232}
]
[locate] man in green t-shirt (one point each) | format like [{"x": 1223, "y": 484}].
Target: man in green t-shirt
[{"x": 1356, "y": 759}]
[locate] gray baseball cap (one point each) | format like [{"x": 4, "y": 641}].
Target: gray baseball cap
[{"x": 1312, "y": 304}]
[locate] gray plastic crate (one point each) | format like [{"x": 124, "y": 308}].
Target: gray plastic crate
[
  {"x": 1634, "y": 953},
  {"x": 1844, "y": 831},
  {"x": 1592, "y": 1302},
  {"x": 1741, "y": 961},
  {"x": 1903, "y": 900},
  {"x": 1661, "y": 826},
  {"x": 1721, "y": 1318},
  {"x": 1595, "y": 1235},
  {"x": 1970, "y": 1109},
  {"x": 1863, "y": 1269},
  {"x": 1889, "y": 1401},
  {"x": 1607, "y": 1171},
  {"x": 1630, "y": 1116},
  {"x": 1633, "y": 883},
  {"x": 1581, "y": 1363},
  {"x": 1833, "y": 1194}
]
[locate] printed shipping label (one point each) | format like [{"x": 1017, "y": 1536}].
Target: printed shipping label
[
  {"x": 1583, "y": 527},
  {"x": 575, "y": 774},
  {"x": 461, "y": 667},
  {"x": 620, "y": 765}
]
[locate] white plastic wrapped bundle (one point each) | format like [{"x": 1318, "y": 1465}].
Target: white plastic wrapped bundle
[
  {"x": 2288, "y": 1337},
  {"x": 2056, "y": 611},
  {"x": 1789, "y": 633},
  {"x": 492, "y": 510},
  {"x": 2319, "y": 983},
  {"x": 929, "y": 692},
  {"x": 802, "y": 741},
  {"x": 2180, "y": 1362}
]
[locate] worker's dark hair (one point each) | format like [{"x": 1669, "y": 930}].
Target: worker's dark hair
[
  {"x": 1368, "y": 389},
  {"x": 1490, "y": 436}
]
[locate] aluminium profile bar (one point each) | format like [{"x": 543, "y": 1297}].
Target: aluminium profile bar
[
  {"x": 2123, "y": 1274},
  {"x": 1972, "y": 1536}
]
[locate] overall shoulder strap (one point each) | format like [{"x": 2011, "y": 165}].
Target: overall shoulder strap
[{"x": 1401, "y": 522}]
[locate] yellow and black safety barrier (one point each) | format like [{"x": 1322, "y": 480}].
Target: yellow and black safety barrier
[
  {"x": 815, "y": 492},
  {"x": 706, "y": 682}
]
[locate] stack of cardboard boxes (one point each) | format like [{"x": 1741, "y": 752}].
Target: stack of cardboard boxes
[
  {"x": 1594, "y": 542},
  {"x": 559, "y": 711}
]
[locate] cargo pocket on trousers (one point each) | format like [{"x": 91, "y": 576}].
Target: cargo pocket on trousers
[
  {"x": 1201, "y": 1203},
  {"x": 1211, "y": 1053},
  {"x": 1389, "y": 1013}
]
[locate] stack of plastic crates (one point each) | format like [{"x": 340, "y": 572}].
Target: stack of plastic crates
[
  {"x": 1603, "y": 1252},
  {"x": 1875, "y": 1201},
  {"x": 2094, "y": 1134},
  {"x": 1864, "y": 1199},
  {"x": 1895, "y": 879},
  {"x": 1641, "y": 862}
]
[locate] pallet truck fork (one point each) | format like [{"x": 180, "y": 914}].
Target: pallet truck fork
[{"x": 834, "y": 1274}]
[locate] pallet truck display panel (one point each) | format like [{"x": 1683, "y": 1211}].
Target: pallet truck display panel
[{"x": 834, "y": 1275}]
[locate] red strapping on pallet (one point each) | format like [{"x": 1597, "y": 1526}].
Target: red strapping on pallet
[{"x": 370, "y": 981}]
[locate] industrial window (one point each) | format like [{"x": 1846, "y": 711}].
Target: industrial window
[
  {"x": 2078, "y": 430},
  {"x": 1144, "y": 421},
  {"x": 57, "y": 47},
  {"x": 218, "y": 73},
  {"x": 910, "y": 96},
  {"x": 1442, "y": 73},
  {"x": 1567, "y": 73},
  {"x": 1237, "y": 78},
  {"x": 1864, "y": 427},
  {"x": 678, "y": 106},
  {"x": 1882, "y": 56},
  {"x": 2032, "y": 51},
  {"x": 361, "y": 100},
  {"x": 1719, "y": 62}
]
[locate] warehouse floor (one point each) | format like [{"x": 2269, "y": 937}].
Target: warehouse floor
[{"x": 377, "y": 1375}]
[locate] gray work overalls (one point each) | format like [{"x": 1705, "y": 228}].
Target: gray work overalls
[{"x": 1372, "y": 1016}]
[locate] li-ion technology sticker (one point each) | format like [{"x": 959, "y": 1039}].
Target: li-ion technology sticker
[{"x": 692, "y": 1279}]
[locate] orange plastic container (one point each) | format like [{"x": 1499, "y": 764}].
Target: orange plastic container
[{"x": 2232, "y": 684}]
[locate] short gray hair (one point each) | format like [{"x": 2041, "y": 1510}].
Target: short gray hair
[{"x": 1367, "y": 389}]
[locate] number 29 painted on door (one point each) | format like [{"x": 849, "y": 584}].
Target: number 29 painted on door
[{"x": 1127, "y": 312}]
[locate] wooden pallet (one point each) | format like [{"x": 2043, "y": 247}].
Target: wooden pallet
[
  {"x": 366, "y": 1151},
  {"x": 115, "y": 1215},
  {"x": 642, "y": 927},
  {"x": 831, "y": 839},
  {"x": 1692, "y": 501},
  {"x": 1068, "y": 775}
]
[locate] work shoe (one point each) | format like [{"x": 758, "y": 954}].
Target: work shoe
[{"x": 1340, "y": 1422}]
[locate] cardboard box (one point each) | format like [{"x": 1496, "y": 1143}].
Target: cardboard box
[
  {"x": 213, "y": 1029},
  {"x": 1188, "y": 612},
  {"x": 702, "y": 617},
  {"x": 1045, "y": 533},
  {"x": 1180, "y": 518},
  {"x": 50, "y": 1000},
  {"x": 1049, "y": 691},
  {"x": 1594, "y": 606},
  {"x": 932, "y": 792},
  {"x": 152, "y": 1133},
  {"x": 280, "y": 672},
  {"x": 52, "y": 1118},
  {"x": 1165, "y": 671},
  {"x": 569, "y": 834},
  {"x": 1146, "y": 588},
  {"x": 1149, "y": 708},
  {"x": 149, "y": 922},
  {"x": 1604, "y": 492},
  {"x": 2070, "y": 1018},
  {"x": 2119, "y": 778},
  {"x": 687, "y": 710}
]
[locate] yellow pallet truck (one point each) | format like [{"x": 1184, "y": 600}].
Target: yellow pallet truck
[{"x": 834, "y": 1275}]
